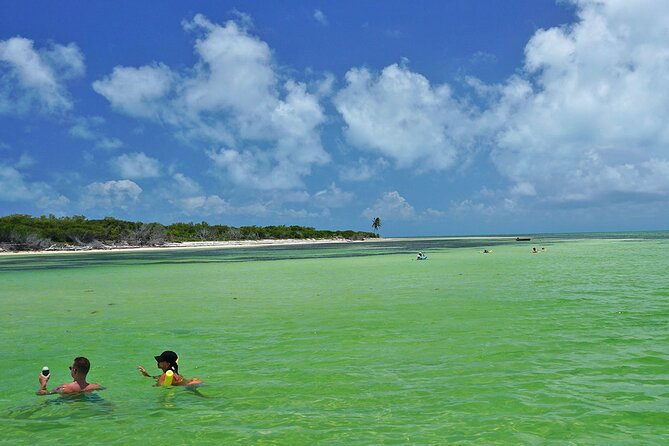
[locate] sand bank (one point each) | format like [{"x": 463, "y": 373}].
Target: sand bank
[
  {"x": 241, "y": 244},
  {"x": 238, "y": 244},
  {"x": 192, "y": 245}
]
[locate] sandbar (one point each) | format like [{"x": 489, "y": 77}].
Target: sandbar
[{"x": 237, "y": 244}]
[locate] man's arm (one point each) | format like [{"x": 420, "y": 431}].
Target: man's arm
[
  {"x": 58, "y": 389},
  {"x": 43, "y": 380}
]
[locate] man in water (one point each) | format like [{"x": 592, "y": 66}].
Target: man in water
[{"x": 78, "y": 370}]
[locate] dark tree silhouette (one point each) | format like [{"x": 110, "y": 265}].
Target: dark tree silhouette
[{"x": 376, "y": 224}]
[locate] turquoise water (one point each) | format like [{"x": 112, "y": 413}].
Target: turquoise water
[{"x": 351, "y": 344}]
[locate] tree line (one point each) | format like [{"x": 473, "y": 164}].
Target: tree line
[{"x": 23, "y": 232}]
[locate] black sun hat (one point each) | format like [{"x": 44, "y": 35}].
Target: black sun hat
[{"x": 169, "y": 357}]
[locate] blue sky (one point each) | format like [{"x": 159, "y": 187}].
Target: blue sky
[{"x": 439, "y": 117}]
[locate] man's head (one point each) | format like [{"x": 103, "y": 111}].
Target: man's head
[{"x": 80, "y": 366}]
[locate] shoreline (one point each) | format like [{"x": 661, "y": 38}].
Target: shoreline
[
  {"x": 188, "y": 245},
  {"x": 230, "y": 244}
]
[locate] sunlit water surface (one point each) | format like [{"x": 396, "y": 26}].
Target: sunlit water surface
[{"x": 352, "y": 344}]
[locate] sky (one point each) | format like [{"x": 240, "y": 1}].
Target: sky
[{"x": 439, "y": 117}]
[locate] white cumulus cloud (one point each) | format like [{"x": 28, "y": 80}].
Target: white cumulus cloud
[
  {"x": 587, "y": 118},
  {"x": 136, "y": 91},
  {"x": 391, "y": 206},
  {"x": 15, "y": 187},
  {"x": 110, "y": 195},
  {"x": 33, "y": 79},
  {"x": 202, "y": 205},
  {"x": 400, "y": 115},
  {"x": 332, "y": 197},
  {"x": 136, "y": 166},
  {"x": 233, "y": 95}
]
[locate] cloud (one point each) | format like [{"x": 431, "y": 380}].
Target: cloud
[
  {"x": 87, "y": 128},
  {"x": 332, "y": 197},
  {"x": 582, "y": 122},
  {"x": 109, "y": 143},
  {"x": 136, "y": 166},
  {"x": 33, "y": 79},
  {"x": 15, "y": 188},
  {"x": 472, "y": 208},
  {"x": 185, "y": 185},
  {"x": 234, "y": 73},
  {"x": 269, "y": 124},
  {"x": 585, "y": 120},
  {"x": 523, "y": 189},
  {"x": 67, "y": 61},
  {"x": 253, "y": 169},
  {"x": 290, "y": 196},
  {"x": 325, "y": 86},
  {"x": 202, "y": 205},
  {"x": 320, "y": 17},
  {"x": 391, "y": 206},
  {"x": 12, "y": 185},
  {"x": 295, "y": 213},
  {"x": 111, "y": 194},
  {"x": 398, "y": 114},
  {"x": 206, "y": 205},
  {"x": 136, "y": 91},
  {"x": 435, "y": 213},
  {"x": 254, "y": 209},
  {"x": 482, "y": 57},
  {"x": 363, "y": 170},
  {"x": 24, "y": 161}
]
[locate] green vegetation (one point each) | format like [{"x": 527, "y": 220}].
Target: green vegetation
[{"x": 24, "y": 232}]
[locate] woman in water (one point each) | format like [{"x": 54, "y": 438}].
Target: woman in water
[{"x": 168, "y": 361}]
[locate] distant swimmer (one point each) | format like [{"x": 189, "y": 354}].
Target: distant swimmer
[
  {"x": 421, "y": 256},
  {"x": 78, "y": 370},
  {"x": 534, "y": 250},
  {"x": 485, "y": 251},
  {"x": 168, "y": 362}
]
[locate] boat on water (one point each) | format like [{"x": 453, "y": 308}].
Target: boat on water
[{"x": 523, "y": 239}]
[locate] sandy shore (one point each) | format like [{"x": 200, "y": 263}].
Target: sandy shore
[
  {"x": 240, "y": 244},
  {"x": 194, "y": 245}
]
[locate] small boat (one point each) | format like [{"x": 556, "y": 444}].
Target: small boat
[{"x": 519, "y": 239}]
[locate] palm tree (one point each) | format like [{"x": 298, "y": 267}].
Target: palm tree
[{"x": 376, "y": 224}]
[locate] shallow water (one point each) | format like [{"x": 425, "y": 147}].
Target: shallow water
[{"x": 352, "y": 344}]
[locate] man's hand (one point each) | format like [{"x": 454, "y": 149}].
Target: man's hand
[{"x": 42, "y": 383}]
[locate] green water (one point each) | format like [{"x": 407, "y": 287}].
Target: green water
[{"x": 353, "y": 344}]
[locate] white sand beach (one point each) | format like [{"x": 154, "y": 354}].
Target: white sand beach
[
  {"x": 235, "y": 244},
  {"x": 191, "y": 245}
]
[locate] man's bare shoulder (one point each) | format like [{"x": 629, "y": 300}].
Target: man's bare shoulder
[
  {"x": 92, "y": 387},
  {"x": 76, "y": 388}
]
